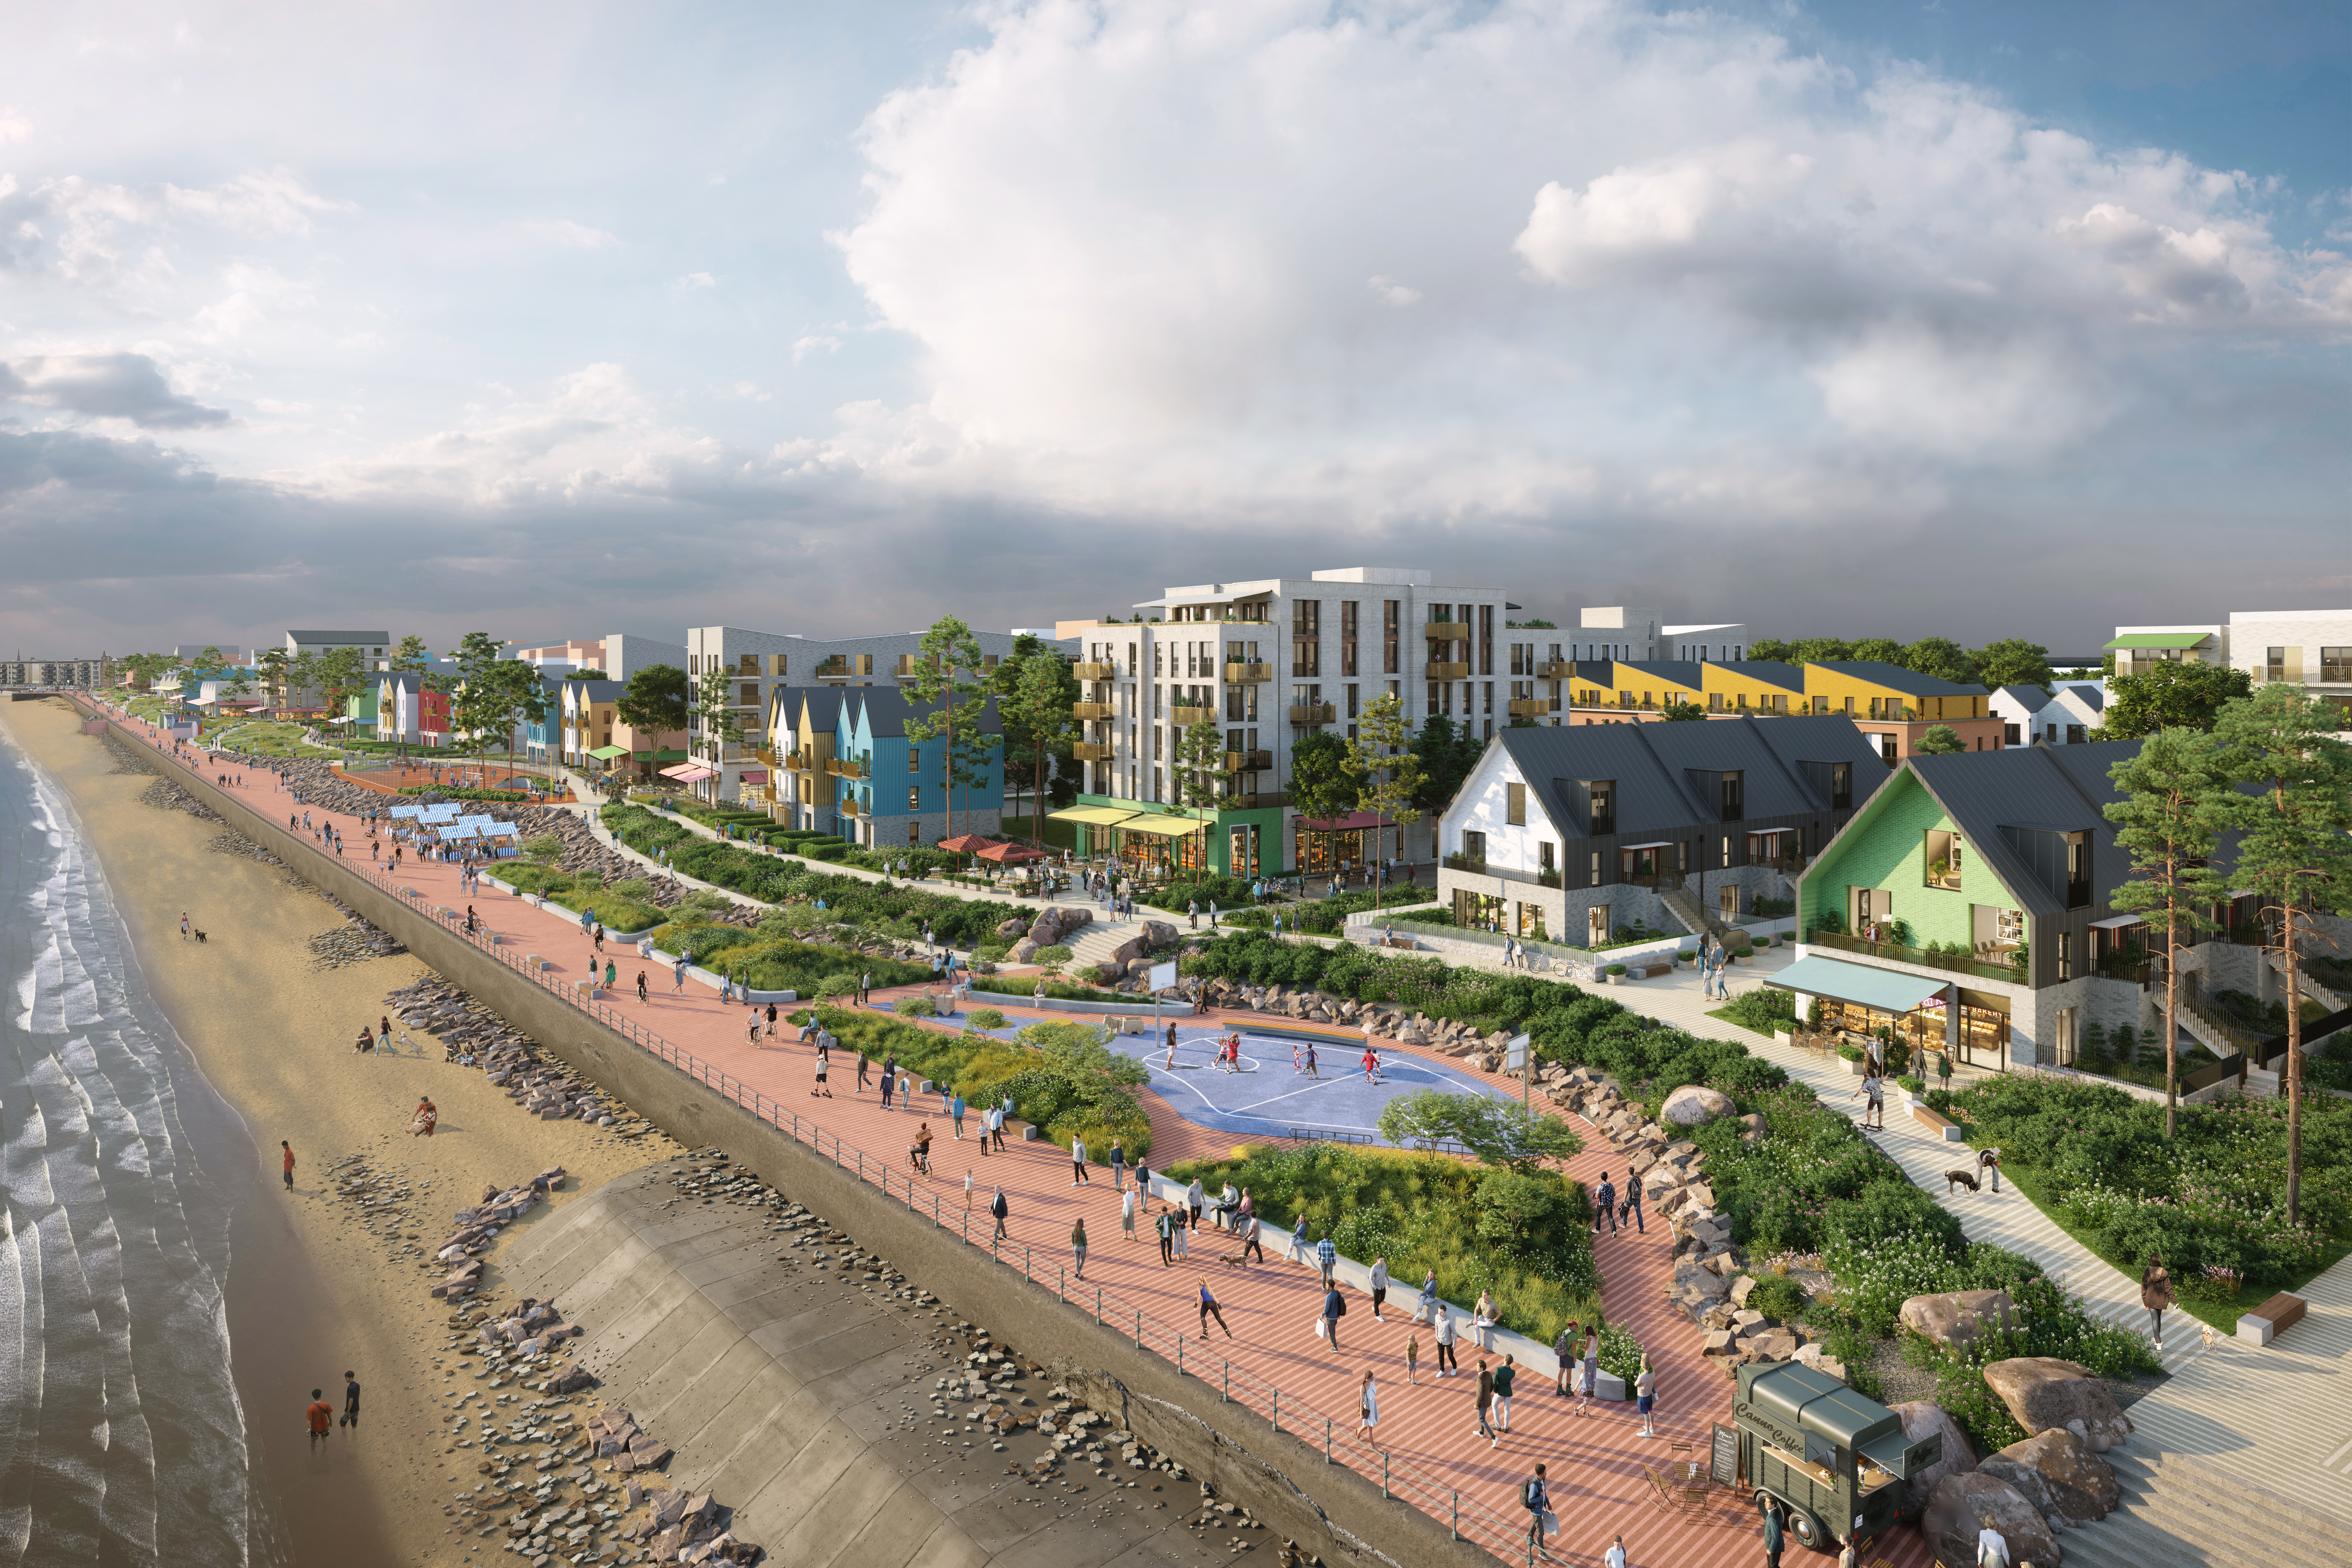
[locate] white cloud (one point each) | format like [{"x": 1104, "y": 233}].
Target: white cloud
[
  {"x": 698, "y": 281},
  {"x": 815, "y": 344},
  {"x": 1388, "y": 292},
  {"x": 563, "y": 231}
]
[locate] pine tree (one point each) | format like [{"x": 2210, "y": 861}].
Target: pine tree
[
  {"x": 1381, "y": 756},
  {"x": 948, "y": 670}
]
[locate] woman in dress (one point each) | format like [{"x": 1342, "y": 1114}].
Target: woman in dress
[
  {"x": 2155, "y": 1295},
  {"x": 1367, "y": 1406}
]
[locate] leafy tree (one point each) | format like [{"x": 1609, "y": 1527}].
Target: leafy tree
[
  {"x": 272, "y": 663},
  {"x": 209, "y": 657},
  {"x": 1198, "y": 769},
  {"x": 238, "y": 685},
  {"x": 341, "y": 674},
  {"x": 2176, "y": 800},
  {"x": 1941, "y": 657},
  {"x": 712, "y": 711},
  {"x": 1823, "y": 650},
  {"x": 302, "y": 678},
  {"x": 2013, "y": 661},
  {"x": 1511, "y": 1207},
  {"x": 1877, "y": 650},
  {"x": 475, "y": 655},
  {"x": 597, "y": 674},
  {"x": 949, "y": 669},
  {"x": 1321, "y": 785},
  {"x": 148, "y": 667},
  {"x": 1499, "y": 1132},
  {"x": 1772, "y": 650},
  {"x": 1447, "y": 754},
  {"x": 2170, "y": 696},
  {"x": 2294, "y": 846},
  {"x": 1035, "y": 692},
  {"x": 1381, "y": 757},
  {"x": 654, "y": 698},
  {"x": 1940, "y": 740},
  {"x": 1682, "y": 712},
  {"x": 507, "y": 694}
]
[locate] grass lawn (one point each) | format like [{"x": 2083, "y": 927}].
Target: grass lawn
[{"x": 1728, "y": 1017}]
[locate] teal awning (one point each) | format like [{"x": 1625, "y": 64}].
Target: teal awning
[{"x": 1881, "y": 990}]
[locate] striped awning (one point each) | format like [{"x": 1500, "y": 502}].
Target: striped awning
[{"x": 690, "y": 772}]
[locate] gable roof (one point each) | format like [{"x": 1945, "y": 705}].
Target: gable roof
[
  {"x": 883, "y": 710},
  {"x": 1771, "y": 672},
  {"x": 2061, "y": 787},
  {"x": 1651, "y": 764},
  {"x": 1685, "y": 673},
  {"x": 2029, "y": 697},
  {"x": 1894, "y": 677},
  {"x": 340, "y": 636}
]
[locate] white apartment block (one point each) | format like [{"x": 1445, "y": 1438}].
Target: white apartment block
[
  {"x": 753, "y": 665},
  {"x": 376, "y": 648},
  {"x": 2311, "y": 647},
  {"x": 618, "y": 654},
  {"x": 1628, "y": 633},
  {"x": 2140, "y": 648}
]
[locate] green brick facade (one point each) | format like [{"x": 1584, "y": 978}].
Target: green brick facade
[{"x": 1885, "y": 846}]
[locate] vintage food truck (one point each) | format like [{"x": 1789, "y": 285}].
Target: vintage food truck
[{"x": 1836, "y": 1461}]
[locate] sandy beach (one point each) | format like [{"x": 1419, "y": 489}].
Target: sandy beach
[{"x": 313, "y": 1291}]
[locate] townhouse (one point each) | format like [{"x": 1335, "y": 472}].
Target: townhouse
[
  {"x": 2068, "y": 714},
  {"x": 848, "y": 766},
  {"x": 616, "y": 656},
  {"x": 1565, "y": 834},
  {"x": 592, "y": 737}
]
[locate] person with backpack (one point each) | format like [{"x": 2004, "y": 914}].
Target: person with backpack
[
  {"x": 1536, "y": 1498},
  {"x": 1604, "y": 1198}
]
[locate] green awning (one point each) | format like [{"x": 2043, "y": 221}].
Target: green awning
[
  {"x": 1092, "y": 816},
  {"x": 1880, "y": 990},
  {"x": 2161, "y": 639},
  {"x": 606, "y": 753}
]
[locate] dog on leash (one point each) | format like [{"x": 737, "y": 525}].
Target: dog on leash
[
  {"x": 200, "y": 936},
  {"x": 1238, "y": 1260},
  {"x": 1955, "y": 1179}
]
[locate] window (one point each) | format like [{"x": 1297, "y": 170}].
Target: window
[
  {"x": 1514, "y": 805},
  {"x": 1735, "y": 798},
  {"x": 1487, "y": 646},
  {"x": 1601, "y": 811},
  {"x": 1543, "y": 861},
  {"x": 748, "y": 664},
  {"x": 2274, "y": 664},
  {"x": 2336, "y": 665},
  {"x": 1348, "y": 641},
  {"x": 2066, "y": 955},
  {"x": 914, "y": 759},
  {"x": 2009, "y": 735},
  {"x": 1596, "y": 870},
  {"x": 1840, "y": 786},
  {"x": 1351, "y": 692},
  {"x": 1886, "y": 749},
  {"x": 1474, "y": 846},
  {"x": 1391, "y": 616},
  {"x": 1945, "y": 852},
  {"x": 914, "y": 798},
  {"x": 2073, "y": 734}
]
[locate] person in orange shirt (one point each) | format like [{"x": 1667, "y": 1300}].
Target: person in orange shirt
[
  {"x": 290, "y": 1162},
  {"x": 323, "y": 1417}
]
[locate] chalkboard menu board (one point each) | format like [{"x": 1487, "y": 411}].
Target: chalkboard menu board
[{"x": 1723, "y": 1467}]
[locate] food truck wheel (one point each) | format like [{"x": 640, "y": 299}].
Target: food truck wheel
[{"x": 1802, "y": 1527}]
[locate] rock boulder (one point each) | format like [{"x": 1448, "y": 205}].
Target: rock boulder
[
  {"x": 1962, "y": 1505},
  {"x": 2057, "y": 1473},
  {"x": 1958, "y": 1317},
  {"x": 2043, "y": 1393},
  {"x": 1922, "y": 1417},
  {"x": 1694, "y": 1104}
]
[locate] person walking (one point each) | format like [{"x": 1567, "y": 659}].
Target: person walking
[
  {"x": 1604, "y": 1198},
  {"x": 1180, "y": 1231},
  {"x": 1379, "y": 1285},
  {"x": 1333, "y": 1309},
  {"x": 321, "y": 1416},
  {"x": 1078, "y": 1247},
  {"x": 1773, "y": 1537},
  {"x": 996, "y": 1127},
  {"x": 1164, "y": 1223},
  {"x": 1297, "y": 1250},
  {"x": 1503, "y": 1377},
  {"x": 1536, "y": 1498},
  {"x": 2155, "y": 1295},
  {"x": 1944, "y": 1071},
  {"x": 1631, "y": 1207},
  {"x": 1126, "y": 1215},
  {"x": 1209, "y": 1308},
  {"x": 824, "y": 1061},
  {"x": 1645, "y": 1391},
  {"x": 677, "y": 976},
  {"x": 955, "y": 1115},
  {"x": 864, "y": 1068},
  {"x": 1117, "y": 1162},
  {"x": 889, "y": 1077},
  {"x": 1249, "y": 1233},
  {"x": 641, "y": 988},
  {"x": 865, "y": 989},
  {"x": 1487, "y": 1404},
  {"x": 351, "y": 1401},
  {"x": 1442, "y": 1332},
  {"x": 1592, "y": 1369},
  {"x": 290, "y": 1162},
  {"x": 1001, "y": 1210},
  {"x": 1873, "y": 1114},
  {"x": 1615, "y": 1556},
  {"x": 1992, "y": 1548},
  {"x": 1078, "y": 1177},
  {"x": 1326, "y": 1257},
  {"x": 771, "y": 1020},
  {"x": 1367, "y": 1406}
]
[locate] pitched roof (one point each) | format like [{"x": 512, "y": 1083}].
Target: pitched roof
[
  {"x": 1687, "y": 674},
  {"x": 2060, "y": 787},
  {"x": 1894, "y": 677},
  {"x": 885, "y": 710},
  {"x": 1788, "y": 677},
  {"x": 1651, "y": 764},
  {"x": 2029, "y": 697}
]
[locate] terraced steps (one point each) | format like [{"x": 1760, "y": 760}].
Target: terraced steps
[{"x": 2177, "y": 1513}]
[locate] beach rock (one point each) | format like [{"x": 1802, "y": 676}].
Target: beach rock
[
  {"x": 1958, "y": 1317},
  {"x": 2057, "y": 1473},
  {"x": 2043, "y": 1391},
  {"x": 1921, "y": 1418},
  {"x": 1962, "y": 1505},
  {"x": 1694, "y": 1105}
]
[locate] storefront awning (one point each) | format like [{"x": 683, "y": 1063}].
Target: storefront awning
[
  {"x": 690, "y": 772},
  {"x": 606, "y": 753},
  {"x": 2161, "y": 639},
  {"x": 1163, "y": 827},
  {"x": 2114, "y": 921},
  {"x": 755, "y": 775},
  {"x": 1352, "y": 823},
  {"x": 1661, "y": 844},
  {"x": 1881, "y": 990},
  {"x": 1092, "y": 816}
]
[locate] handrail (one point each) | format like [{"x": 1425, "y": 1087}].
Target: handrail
[
  {"x": 1918, "y": 955},
  {"x": 1468, "y": 1518}
]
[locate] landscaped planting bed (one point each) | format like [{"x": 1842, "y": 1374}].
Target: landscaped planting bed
[
  {"x": 621, "y": 907},
  {"x": 769, "y": 958}
]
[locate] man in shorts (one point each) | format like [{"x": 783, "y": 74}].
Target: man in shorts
[
  {"x": 1874, "y": 1090},
  {"x": 351, "y": 1401},
  {"x": 321, "y": 1416}
]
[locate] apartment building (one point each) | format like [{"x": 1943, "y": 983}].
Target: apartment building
[
  {"x": 1269, "y": 662},
  {"x": 848, "y": 766},
  {"x": 755, "y": 664},
  {"x": 1625, "y": 631},
  {"x": 2312, "y": 649},
  {"x": 616, "y": 655},
  {"x": 594, "y": 738},
  {"x": 48, "y": 672}
]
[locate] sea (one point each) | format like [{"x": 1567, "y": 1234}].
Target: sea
[{"x": 122, "y": 1439}]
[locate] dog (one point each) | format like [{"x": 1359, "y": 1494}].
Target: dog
[
  {"x": 1955, "y": 1179},
  {"x": 1238, "y": 1260},
  {"x": 2212, "y": 1339},
  {"x": 200, "y": 936}
]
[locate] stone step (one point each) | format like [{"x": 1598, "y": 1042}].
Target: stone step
[{"x": 2177, "y": 1512}]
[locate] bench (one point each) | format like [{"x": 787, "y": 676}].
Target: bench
[
  {"x": 1944, "y": 1129},
  {"x": 2271, "y": 1319}
]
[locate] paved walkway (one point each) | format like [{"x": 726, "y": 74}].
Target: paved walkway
[{"x": 1426, "y": 1446}]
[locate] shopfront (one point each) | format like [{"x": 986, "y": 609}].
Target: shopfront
[
  {"x": 1162, "y": 849},
  {"x": 1345, "y": 845},
  {"x": 1862, "y": 1001}
]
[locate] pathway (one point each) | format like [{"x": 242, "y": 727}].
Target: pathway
[{"x": 1425, "y": 1448}]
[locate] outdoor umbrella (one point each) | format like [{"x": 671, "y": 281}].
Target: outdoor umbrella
[{"x": 965, "y": 843}]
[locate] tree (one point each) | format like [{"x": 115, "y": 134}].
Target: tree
[
  {"x": 1321, "y": 785},
  {"x": 1446, "y": 755},
  {"x": 2013, "y": 661},
  {"x": 475, "y": 654},
  {"x": 1940, "y": 740},
  {"x": 1877, "y": 650},
  {"x": 1772, "y": 650},
  {"x": 341, "y": 672},
  {"x": 413, "y": 658},
  {"x": 147, "y": 666},
  {"x": 949, "y": 668},
  {"x": 2295, "y": 847},
  {"x": 1036, "y": 691},
  {"x": 209, "y": 657},
  {"x": 301, "y": 676},
  {"x": 712, "y": 711},
  {"x": 272, "y": 663},
  {"x": 1511, "y": 1207},
  {"x": 654, "y": 698},
  {"x": 1198, "y": 769},
  {"x": 1499, "y": 1132},
  {"x": 1682, "y": 712},
  {"x": 507, "y": 694},
  {"x": 2170, "y": 696},
  {"x": 2175, "y": 796},
  {"x": 1941, "y": 657},
  {"x": 1381, "y": 757}
]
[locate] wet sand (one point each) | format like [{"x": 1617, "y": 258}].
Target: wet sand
[{"x": 310, "y": 1293}]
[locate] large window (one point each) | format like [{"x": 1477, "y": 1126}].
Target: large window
[
  {"x": 1514, "y": 805},
  {"x": 1601, "y": 813},
  {"x": 2274, "y": 664},
  {"x": 1944, "y": 854},
  {"x": 1840, "y": 786},
  {"x": 2336, "y": 665},
  {"x": 1474, "y": 846}
]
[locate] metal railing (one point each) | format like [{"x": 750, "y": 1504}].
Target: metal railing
[
  {"x": 1314, "y": 713},
  {"x": 1450, "y": 669},
  {"x": 1095, "y": 672},
  {"x": 1188, "y": 716},
  {"x": 1091, "y": 711},
  {"x": 1247, "y": 674},
  {"x": 1090, "y": 751},
  {"x": 1467, "y": 1518},
  {"x": 1953, "y": 962}
]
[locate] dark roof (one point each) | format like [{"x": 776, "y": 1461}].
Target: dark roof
[
  {"x": 1897, "y": 678},
  {"x": 823, "y": 705},
  {"x": 887, "y": 709},
  {"x": 2031, "y": 698},
  {"x": 1652, "y": 763},
  {"x": 1772, "y": 671},
  {"x": 1686, "y": 674},
  {"x": 2038, "y": 786},
  {"x": 598, "y": 690},
  {"x": 2094, "y": 697},
  {"x": 339, "y": 636}
]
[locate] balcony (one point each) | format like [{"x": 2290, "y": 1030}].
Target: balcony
[
  {"x": 832, "y": 669},
  {"x": 1446, "y": 631},
  {"x": 1458, "y": 669},
  {"x": 1091, "y": 710},
  {"x": 1095, "y": 672},
  {"x": 1314, "y": 714},
  {"x": 1091, "y": 751},
  {"x": 1188, "y": 717},
  {"x": 849, "y": 806},
  {"x": 1555, "y": 670},
  {"x": 1954, "y": 963},
  {"x": 1529, "y": 707},
  {"x": 1247, "y": 674},
  {"x": 1252, "y": 800},
  {"x": 846, "y": 768},
  {"x": 1247, "y": 761}
]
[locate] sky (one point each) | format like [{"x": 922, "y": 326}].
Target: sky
[{"x": 1964, "y": 319}]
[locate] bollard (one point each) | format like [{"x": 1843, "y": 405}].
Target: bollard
[
  {"x": 1278, "y": 1410},
  {"x": 1138, "y": 1330},
  {"x": 1180, "y": 1356},
  {"x": 1454, "y": 1528},
  {"x": 1097, "y": 1304},
  {"x": 1326, "y": 1439},
  {"x": 1384, "y": 1472},
  {"x": 1229, "y": 1382}
]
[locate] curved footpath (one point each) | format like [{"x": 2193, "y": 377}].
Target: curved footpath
[{"x": 1426, "y": 1443}]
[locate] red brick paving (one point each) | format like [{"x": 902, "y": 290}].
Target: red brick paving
[{"x": 1598, "y": 1462}]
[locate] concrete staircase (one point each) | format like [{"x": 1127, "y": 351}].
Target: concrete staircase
[
  {"x": 2176, "y": 1513},
  {"x": 1693, "y": 916},
  {"x": 2327, "y": 997}
]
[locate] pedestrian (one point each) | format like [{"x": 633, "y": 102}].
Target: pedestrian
[
  {"x": 2155, "y": 1295},
  {"x": 864, "y": 1068},
  {"x": 1298, "y": 1250},
  {"x": 1326, "y": 1257},
  {"x": 889, "y": 1076},
  {"x": 1646, "y": 1390},
  {"x": 923, "y": 1148},
  {"x": 1989, "y": 1161},
  {"x": 1536, "y": 1498},
  {"x": 1078, "y": 1247},
  {"x": 1193, "y": 914},
  {"x": 1944, "y": 1071},
  {"x": 1249, "y": 1231},
  {"x": 1165, "y": 1225},
  {"x": 1117, "y": 1165},
  {"x": 1209, "y": 1308},
  {"x": 1772, "y": 1533},
  {"x": 1333, "y": 1309},
  {"x": 967, "y": 1189},
  {"x": 771, "y": 1020},
  {"x": 1126, "y": 1215},
  {"x": 321, "y": 1416},
  {"x": 351, "y": 1401},
  {"x": 1992, "y": 1548},
  {"x": 1592, "y": 1369},
  {"x": 1444, "y": 1333},
  {"x": 824, "y": 1061},
  {"x": 290, "y": 1162},
  {"x": 1604, "y": 1199},
  {"x": 997, "y": 1129},
  {"x": 184, "y": 925},
  {"x": 1001, "y": 1209},
  {"x": 1615, "y": 1556},
  {"x": 1487, "y": 1404},
  {"x": 1412, "y": 1359},
  {"x": 1873, "y": 1115},
  {"x": 865, "y": 989},
  {"x": 677, "y": 976},
  {"x": 1632, "y": 1205},
  {"x": 1196, "y": 1199},
  {"x": 1180, "y": 1231},
  {"x": 1503, "y": 1377},
  {"x": 955, "y": 1114},
  {"x": 1428, "y": 1297},
  {"x": 1078, "y": 1177}
]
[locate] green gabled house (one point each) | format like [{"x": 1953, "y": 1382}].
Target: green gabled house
[{"x": 1966, "y": 904}]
